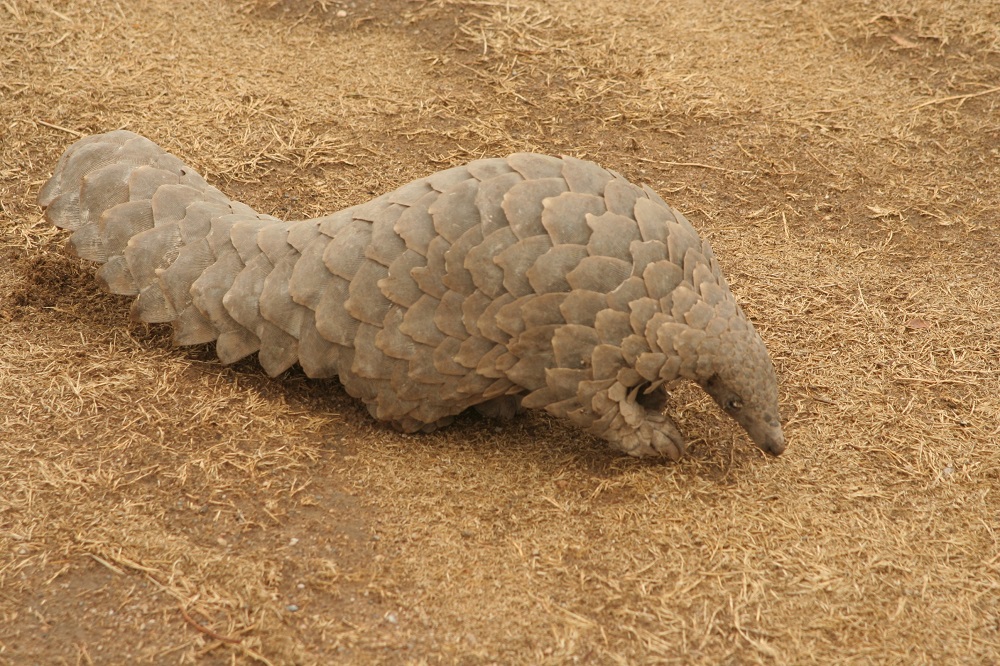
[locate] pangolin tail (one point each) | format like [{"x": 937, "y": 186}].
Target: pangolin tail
[{"x": 167, "y": 237}]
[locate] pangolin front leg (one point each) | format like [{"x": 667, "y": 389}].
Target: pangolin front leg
[{"x": 522, "y": 282}]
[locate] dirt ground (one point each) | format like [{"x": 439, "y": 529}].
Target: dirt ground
[{"x": 844, "y": 160}]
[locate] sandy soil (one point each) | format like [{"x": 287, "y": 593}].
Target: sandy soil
[{"x": 844, "y": 160}]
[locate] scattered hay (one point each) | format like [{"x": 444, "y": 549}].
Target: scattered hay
[{"x": 156, "y": 507}]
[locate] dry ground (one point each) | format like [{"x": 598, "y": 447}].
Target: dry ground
[{"x": 844, "y": 158}]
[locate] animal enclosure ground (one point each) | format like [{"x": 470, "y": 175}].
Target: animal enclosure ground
[{"x": 844, "y": 160}]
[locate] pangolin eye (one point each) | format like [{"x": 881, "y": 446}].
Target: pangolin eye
[{"x": 734, "y": 404}]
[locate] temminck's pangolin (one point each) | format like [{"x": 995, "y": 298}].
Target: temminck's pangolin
[{"x": 528, "y": 281}]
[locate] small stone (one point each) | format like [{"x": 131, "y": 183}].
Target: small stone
[
  {"x": 292, "y": 542},
  {"x": 341, "y": 13},
  {"x": 292, "y": 608},
  {"x": 391, "y": 618},
  {"x": 948, "y": 471},
  {"x": 301, "y": 586}
]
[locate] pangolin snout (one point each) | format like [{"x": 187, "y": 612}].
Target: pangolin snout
[
  {"x": 775, "y": 444},
  {"x": 766, "y": 433}
]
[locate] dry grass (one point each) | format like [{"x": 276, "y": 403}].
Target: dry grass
[{"x": 158, "y": 508}]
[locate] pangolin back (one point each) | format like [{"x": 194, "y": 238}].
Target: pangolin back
[{"x": 527, "y": 281}]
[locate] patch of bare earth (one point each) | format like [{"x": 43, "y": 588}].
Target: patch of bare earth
[{"x": 844, "y": 160}]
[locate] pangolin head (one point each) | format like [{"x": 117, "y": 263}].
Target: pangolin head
[
  {"x": 740, "y": 378},
  {"x": 715, "y": 345}
]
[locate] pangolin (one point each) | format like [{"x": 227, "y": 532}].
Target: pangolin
[{"x": 521, "y": 282}]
